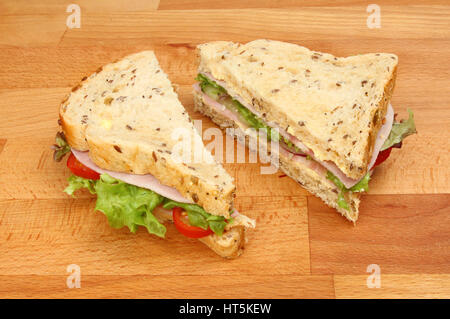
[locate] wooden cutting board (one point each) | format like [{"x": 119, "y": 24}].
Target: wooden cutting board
[{"x": 301, "y": 248}]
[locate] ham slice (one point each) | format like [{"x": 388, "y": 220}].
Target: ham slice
[
  {"x": 147, "y": 181},
  {"x": 219, "y": 108},
  {"x": 383, "y": 134},
  {"x": 150, "y": 182},
  {"x": 315, "y": 166}
]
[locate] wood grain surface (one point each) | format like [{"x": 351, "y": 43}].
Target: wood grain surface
[{"x": 300, "y": 248}]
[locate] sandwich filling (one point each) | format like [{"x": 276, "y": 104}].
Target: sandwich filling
[
  {"x": 390, "y": 135},
  {"x": 134, "y": 200}
]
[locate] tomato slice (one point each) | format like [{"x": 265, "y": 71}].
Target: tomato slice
[
  {"x": 182, "y": 224},
  {"x": 80, "y": 169},
  {"x": 382, "y": 156}
]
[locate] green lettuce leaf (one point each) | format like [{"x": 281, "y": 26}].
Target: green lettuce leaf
[
  {"x": 335, "y": 180},
  {"x": 400, "y": 131},
  {"x": 199, "y": 217},
  {"x": 212, "y": 89},
  {"x": 341, "y": 198},
  {"x": 132, "y": 206},
  {"x": 61, "y": 148},
  {"x": 342, "y": 202},
  {"x": 76, "y": 183},
  {"x": 128, "y": 205},
  {"x": 291, "y": 146},
  {"x": 123, "y": 204},
  {"x": 361, "y": 186}
]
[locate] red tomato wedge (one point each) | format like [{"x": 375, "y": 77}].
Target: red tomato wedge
[
  {"x": 382, "y": 156},
  {"x": 182, "y": 224},
  {"x": 80, "y": 170}
]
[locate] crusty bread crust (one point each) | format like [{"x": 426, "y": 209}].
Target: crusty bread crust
[
  {"x": 378, "y": 115},
  {"x": 229, "y": 245},
  {"x": 335, "y": 106},
  {"x": 125, "y": 114},
  {"x": 306, "y": 177}
]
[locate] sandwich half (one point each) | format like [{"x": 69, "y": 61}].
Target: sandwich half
[
  {"x": 123, "y": 127},
  {"x": 328, "y": 119}
]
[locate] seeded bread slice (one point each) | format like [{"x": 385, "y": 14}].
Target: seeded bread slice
[
  {"x": 333, "y": 105},
  {"x": 129, "y": 118},
  {"x": 305, "y": 176}
]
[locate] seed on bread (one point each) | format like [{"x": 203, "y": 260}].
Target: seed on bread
[
  {"x": 108, "y": 100},
  {"x": 117, "y": 148},
  {"x": 194, "y": 180}
]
